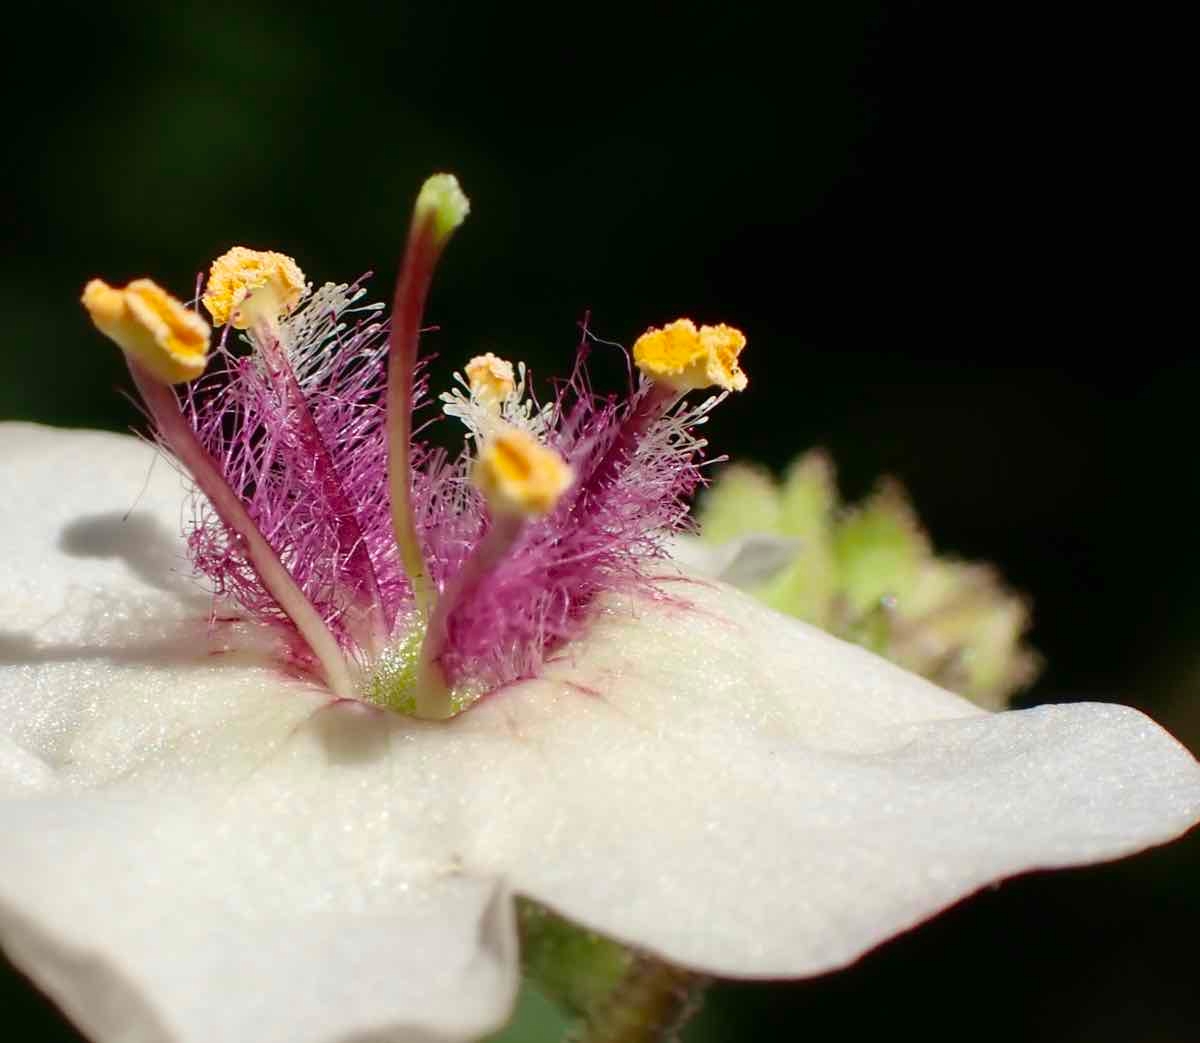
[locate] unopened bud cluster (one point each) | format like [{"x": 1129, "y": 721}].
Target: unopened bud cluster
[{"x": 869, "y": 573}]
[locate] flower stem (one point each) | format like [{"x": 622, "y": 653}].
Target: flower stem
[
  {"x": 181, "y": 440},
  {"x": 651, "y": 1003}
]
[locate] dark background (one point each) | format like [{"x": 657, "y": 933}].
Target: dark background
[{"x": 943, "y": 232}]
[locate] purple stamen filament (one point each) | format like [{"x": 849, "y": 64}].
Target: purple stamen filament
[
  {"x": 651, "y": 407},
  {"x": 174, "y": 429},
  {"x": 433, "y": 693},
  {"x": 326, "y": 518},
  {"x": 368, "y": 620}
]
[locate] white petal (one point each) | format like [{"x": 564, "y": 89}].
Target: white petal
[
  {"x": 193, "y": 848},
  {"x": 238, "y": 860},
  {"x": 747, "y": 796},
  {"x": 701, "y": 776},
  {"x": 249, "y": 913},
  {"x": 743, "y": 562},
  {"x": 89, "y": 518},
  {"x": 20, "y": 770}
]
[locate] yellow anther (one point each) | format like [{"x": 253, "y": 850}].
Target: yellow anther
[
  {"x": 168, "y": 340},
  {"x": 519, "y": 475},
  {"x": 245, "y": 286},
  {"x": 687, "y": 358},
  {"x": 491, "y": 379}
]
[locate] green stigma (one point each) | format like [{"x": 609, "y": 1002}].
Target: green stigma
[{"x": 443, "y": 201}]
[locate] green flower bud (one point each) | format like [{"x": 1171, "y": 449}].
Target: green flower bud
[{"x": 869, "y": 574}]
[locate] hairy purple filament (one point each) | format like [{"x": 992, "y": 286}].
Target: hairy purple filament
[
  {"x": 645, "y": 410},
  {"x": 259, "y": 556},
  {"x": 299, "y": 433},
  {"x": 367, "y": 618}
]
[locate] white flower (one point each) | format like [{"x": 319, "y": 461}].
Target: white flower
[{"x": 197, "y": 848}]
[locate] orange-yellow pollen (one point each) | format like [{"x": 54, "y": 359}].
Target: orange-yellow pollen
[
  {"x": 166, "y": 339},
  {"x": 245, "y": 286},
  {"x": 686, "y": 358},
  {"x": 519, "y": 475},
  {"x": 491, "y": 379}
]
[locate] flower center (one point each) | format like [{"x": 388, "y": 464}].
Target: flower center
[{"x": 394, "y": 573}]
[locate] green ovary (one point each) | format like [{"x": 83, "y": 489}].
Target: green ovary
[{"x": 392, "y": 681}]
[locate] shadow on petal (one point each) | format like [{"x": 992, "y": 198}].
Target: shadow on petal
[
  {"x": 351, "y": 732},
  {"x": 185, "y": 644},
  {"x": 150, "y": 550}
]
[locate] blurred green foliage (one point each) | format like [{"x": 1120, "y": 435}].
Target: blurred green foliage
[{"x": 869, "y": 574}]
